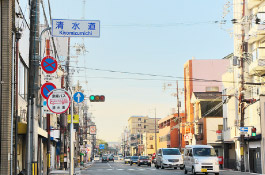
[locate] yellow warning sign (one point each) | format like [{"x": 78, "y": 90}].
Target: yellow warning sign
[{"x": 75, "y": 119}]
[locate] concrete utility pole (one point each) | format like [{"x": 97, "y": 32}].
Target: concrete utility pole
[
  {"x": 155, "y": 133},
  {"x": 179, "y": 118},
  {"x": 242, "y": 143},
  {"x": 33, "y": 86}
]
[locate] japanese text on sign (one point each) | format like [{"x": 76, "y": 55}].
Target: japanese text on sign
[
  {"x": 58, "y": 101},
  {"x": 75, "y": 28}
]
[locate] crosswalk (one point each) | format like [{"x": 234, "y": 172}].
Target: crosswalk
[{"x": 123, "y": 169}]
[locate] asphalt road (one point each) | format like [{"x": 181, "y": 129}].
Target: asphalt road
[{"x": 119, "y": 168}]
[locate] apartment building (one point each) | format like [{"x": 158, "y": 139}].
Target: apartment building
[
  {"x": 169, "y": 131},
  {"x": 137, "y": 126},
  {"x": 244, "y": 102},
  {"x": 202, "y": 76}
]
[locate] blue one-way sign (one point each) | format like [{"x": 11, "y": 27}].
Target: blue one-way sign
[
  {"x": 243, "y": 129},
  {"x": 101, "y": 146},
  {"x": 78, "y": 97}
]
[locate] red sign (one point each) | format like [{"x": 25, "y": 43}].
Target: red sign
[
  {"x": 46, "y": 89},
  {"x": 58, "y": 101},
  {"x": 49, "y": 64}
]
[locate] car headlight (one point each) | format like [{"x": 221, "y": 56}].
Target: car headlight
[{"x": 196, "y": 161}]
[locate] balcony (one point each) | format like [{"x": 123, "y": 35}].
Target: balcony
[
  {"x": 257, "y": 67},
  {"x": 257, "y": 31},
  {"x": 253, "y": 3}
]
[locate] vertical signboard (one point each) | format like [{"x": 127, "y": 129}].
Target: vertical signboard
[{"x": 92, "y": 129}]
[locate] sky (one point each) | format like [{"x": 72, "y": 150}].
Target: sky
[{"x": 141, "y": 36}]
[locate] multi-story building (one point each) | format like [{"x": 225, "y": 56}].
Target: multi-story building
[
  {"x": 200, "y": 76},
  {"x": 169, "y": 131},
  {"x": 137, "y": 125},
  {"x": 243, "y": 84},
  {"x": 149, "y": 143}
]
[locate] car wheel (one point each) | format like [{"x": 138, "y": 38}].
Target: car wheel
[
  {"x": 150, "y": 164},
  {"x": 181, "y": 168},
  {"x": 216, "y": 173},
  {"x": 139, "y": 165},
  {"x": 175, "y": 168},
  {"x": 193, "y": 171},
  {"x": 131, "y": 164},
  {"x": 185, "y": 171}
]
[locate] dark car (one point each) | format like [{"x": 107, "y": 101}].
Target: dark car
[
  {"x": 104, "y": 159},
  {"x": 111, "y": 158},
  {"x": 134, "y": 159},
  {"x": 144, "y": 160}
]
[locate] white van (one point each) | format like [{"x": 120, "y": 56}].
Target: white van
[
  {"x": 169, "y": 158},
  {"x": 200, "y": 159}
]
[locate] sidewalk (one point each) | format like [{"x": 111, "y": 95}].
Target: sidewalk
[
  {"x": 232, "y": 172},
  {"x": 76, "y": 172}
]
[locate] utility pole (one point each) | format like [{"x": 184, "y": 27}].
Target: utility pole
[
  {"x": 33, "y": 86},
  {"x": 155, "y": 133},
  {"x": 179, "y": 118},
  {"x": 242, "y": 143}
]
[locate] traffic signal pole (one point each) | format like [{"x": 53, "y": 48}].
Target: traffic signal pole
[{"x": 71, "y": 172}]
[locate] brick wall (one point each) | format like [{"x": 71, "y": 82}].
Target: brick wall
[{"x": 6, "y": 61}]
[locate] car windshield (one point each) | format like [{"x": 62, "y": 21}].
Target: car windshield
[
  {"x": 144, "y": 157},
  {"x": 134, "y": 157},
  {"x": 204, "y": 152},
  {"x": 128, "y": 157},
  {"x": 171, "y": 152},
  {"x": 104, "y": 157}
]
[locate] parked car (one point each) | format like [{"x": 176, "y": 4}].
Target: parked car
[
  {"x": 134, "y": 159},
  {"x": 111, "y": 158},
  {"x": 144, "y": 160},
  {"x": 127, "y": 159},
  {"x": 201, "y": 159},
  {"x": 104, "y": 159},
  {"x": 169, "y": 158}
]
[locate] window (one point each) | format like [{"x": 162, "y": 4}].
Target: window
[
  {"x": 144, "y": 126},
  {"x": 151, "y": 147},
  {"x": 144, "y": 121},
  {"x": 22, "y": 79},
  {"x": 151, "y": 138},
  {"x": 139, "y": 119},
  {"x": 139, "y": 125}
]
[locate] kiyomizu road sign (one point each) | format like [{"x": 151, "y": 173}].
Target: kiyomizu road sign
[{"x": 75, "y": 28}]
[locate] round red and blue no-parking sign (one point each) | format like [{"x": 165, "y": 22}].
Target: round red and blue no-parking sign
[
  {"x": 46, "y": 89},
  {"x": 49, "y": 64}
]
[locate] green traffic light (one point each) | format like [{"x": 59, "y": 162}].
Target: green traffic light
[
  {"x": 92, "y": 97},
  {"x": 254, "y": 134}
]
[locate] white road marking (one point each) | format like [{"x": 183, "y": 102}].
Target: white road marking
[
  {"x": 120, "y": 169},
  {"x": 131, "y": 169}
]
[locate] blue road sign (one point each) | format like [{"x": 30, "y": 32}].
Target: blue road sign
[
  {"x": 243, "y": 129},
  {"x": 78, "y": 97},
  {"x": 46, "y": 89},
  {"x": 101, "y": 146}
]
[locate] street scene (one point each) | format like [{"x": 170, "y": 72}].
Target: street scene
[{"x": 132, "y": 87}]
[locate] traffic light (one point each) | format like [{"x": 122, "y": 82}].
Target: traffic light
[
  {"x": 253, "y": 132},
  {"x": 97, "y": 98}
]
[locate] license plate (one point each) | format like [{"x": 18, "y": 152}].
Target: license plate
[{"x": 204, "y": 170}]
